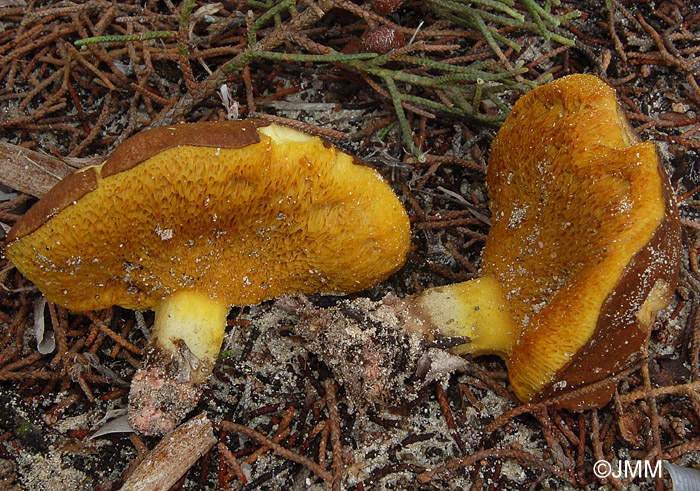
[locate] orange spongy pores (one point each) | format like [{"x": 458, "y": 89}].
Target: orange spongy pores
[
  {"x": 574, "y": 198},
  {"x": 239, "y": 225}
]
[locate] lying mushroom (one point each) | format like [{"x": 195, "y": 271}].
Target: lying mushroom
[
  {"x": 582, "y": 253},
  {"x": 191, "y": 219}
]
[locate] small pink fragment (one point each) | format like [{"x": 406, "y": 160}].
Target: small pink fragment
[{"x": 158, "y": 403}]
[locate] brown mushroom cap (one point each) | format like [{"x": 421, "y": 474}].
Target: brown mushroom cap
[
  {"x": 585, "y": 236},
  {"x": 220, "y": 208}
]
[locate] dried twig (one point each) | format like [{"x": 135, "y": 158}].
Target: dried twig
[
  {"x": 334, "y": 420},
  {"x": 515, "y": 454},
  {"x": 278, "y": 449}
]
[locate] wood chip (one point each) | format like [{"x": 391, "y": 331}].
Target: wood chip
[
  {"x": 29, "y": 171},
  {"x": 173, "y": 456}
]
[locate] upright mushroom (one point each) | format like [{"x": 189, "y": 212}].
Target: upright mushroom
[
  {"x": 582, "y": 253},
  {"x": 191, "y": 219}
]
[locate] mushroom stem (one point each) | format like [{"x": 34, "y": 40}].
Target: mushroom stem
[
  {"x": 188, "y": 321},
  {"x": 186, "y": 339},
  {"x": 475, "y": 309}
]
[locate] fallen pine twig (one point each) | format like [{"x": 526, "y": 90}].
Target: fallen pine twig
[
  {"x": 278, "y": 449},
  {"x": 232, "y": 462},
  {"x": 337, "y": 463},
  {"x": 502, "y": 453}
]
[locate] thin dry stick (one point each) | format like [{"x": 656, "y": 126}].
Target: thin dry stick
[
  {"x": 682, "y": 449},
  {"x": 581, "y": 449},
  {"x": 598, "y": 446},
  {"x": 513, "y": 453},
  {"x": 116, "y": 337},
  {"x": 448, "y": 159},
  {"x": 322, "y": 445},
  {"x": 278, "y": 449},
  {"x": 30, "y": 375},
  {"x": 554, "y": 444},
  {"x": 101, "y": 75},
  {"x": 106, "y": 108},
  {"x": 232, "y": 462},
  {"x": 613, "y": 34},
  {"x": 653, "y": 409},
  {"x": 249, "y": 94},
  {"x": 337, "y": 464},
  {"x": 449, "y": 418},
  {"x": 695, "y": 323},
  {"x": 125, "y": 331},
  {"x": 141, "y": 448},
  {"x": 82, "y": 382},
  {"x": 59, "y": 331},
  {"x": 186, "y": 69},
  {"x": 297, "y": 22},
  {"x": 150, "y": 95},
  {"x": 555, "y": 401},
  {"x": 14, "y": 203},
  {"x": 141, "y": 452},
  {"x": 660, "y": 391},
  {"x": 300, "y": 125},
  {"x": 40, "y": 88},
  {"x": 320, "y": 426},
  {"x": 685, "y": 65},
  {"x": 690, "y": 223},
  {"x": 282, "y": 432},
  {"x": 461, "y": 259},
  {"x": 28, "y": 360}
]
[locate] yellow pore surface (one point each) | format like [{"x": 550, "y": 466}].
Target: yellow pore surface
[
  {"x": 573, "y": 199},
  {"x": 286, "y": 215}
]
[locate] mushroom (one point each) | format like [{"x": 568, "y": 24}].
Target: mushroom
[
  {"x": 582, "y": 253},
  {"x": 191, "y": 219}
]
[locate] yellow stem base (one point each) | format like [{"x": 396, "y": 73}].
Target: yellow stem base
[
  {"x": 477, "y": 309},
  {"x": 191, "y": 325}
]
